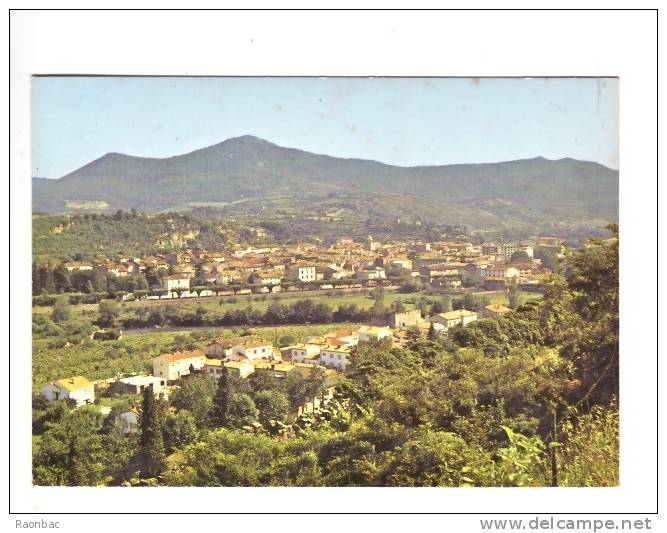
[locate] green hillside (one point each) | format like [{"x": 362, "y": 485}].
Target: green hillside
[{"x": 250, "y": 168}]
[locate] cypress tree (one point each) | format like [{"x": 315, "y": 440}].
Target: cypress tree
[
  {"x": 152, "y": 442},
  {"x": 221, "y": 399},
  {"x": 432, "y": 334}
]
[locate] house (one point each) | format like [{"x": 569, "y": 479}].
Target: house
[
  {"x": 337, "y": 357},
  {"x": 439, "y": 270},
  {"x": 302, "y": 353},
  {"x": 76, "y": 388},
  {"x": 499, "y": 271},
  {"x": 371, "y": 274},
  {"x": 401, "y": 264},
  {"x": 447, "y": 282},
  {"x": 341, "y": 337},
  {"x": 225, "y": 277},
  {"x": 129, "y": 420},
  {"x": 400, "y": 320},
  {"x": 301, "y": 272},
  {"x": 251, "y": 350},
  {"x": 173, "y": 366},
  {"x": 222, "y": 348},
  {"x": 241, "y": 369},
  {"x": 373, "y": 333},
  {"x": 278, "y": 369},
  {"x": 454, "y": 318},
  {"x": 180, "y": 282},
  {"x": 137, "y": 385},
  {"x": 494, "y": 310},
  {"x": 507, "y": 249},
  {"x": 266, "y": 277}
]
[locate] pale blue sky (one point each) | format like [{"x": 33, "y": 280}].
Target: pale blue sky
[{"x": 398, "y": 121}]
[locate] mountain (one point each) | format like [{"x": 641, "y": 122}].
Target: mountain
[{"x": 247, "y": 167}]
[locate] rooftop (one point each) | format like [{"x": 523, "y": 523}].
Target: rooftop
[
  {"x": 141, "y": 380},
  {"x": 179, "y": 356},
  {"x": 73, "y": 383},
  {"x": 460, "y": 313}
]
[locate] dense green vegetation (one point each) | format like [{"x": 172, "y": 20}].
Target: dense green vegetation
[{"x": 527, "y": 399}]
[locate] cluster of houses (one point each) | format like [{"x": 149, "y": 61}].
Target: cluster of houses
[
  {"x": 242, "y": 356},
  {"x": 272, "y": 268}
]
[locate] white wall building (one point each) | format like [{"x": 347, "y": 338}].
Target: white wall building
[
  {"x": 337, "y": 357},
  {"x": 76, "y": 388},
  {"x": 173, "y": 366}
]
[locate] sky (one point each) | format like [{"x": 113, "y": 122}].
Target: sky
[{"x": 400, "y": 121}]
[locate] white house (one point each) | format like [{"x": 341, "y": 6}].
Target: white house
[
  {"x": 302, "y": 353},
  {"x": 454, "y": 318},
  {"x": 176, "y": 282},
  {"x": 337, "y": 357},
  {"x": 251, "y": 350},
  {"x": 242, "y": 369},
  {"x": 499, "y": 271},
  {"x": 376, "y": 273},
  {"x": 373, "y": 333},
  {"x": 129, "y": 421},
  {"x": 137, "y": 384},
  {"x": 302, "y": 272},
  {"x": 173, "y": 366},
  {"x": 76, "y": 388},
  {"x": 266, "y": 277}
]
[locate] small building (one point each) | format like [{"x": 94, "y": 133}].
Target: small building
[
  {"x": 176, "y": 282},
  {"x": 301, "y": 272},
  {"x": 129, "y": 420},
  {"x": 222, "y": 348},
  {"x": 266, "y": 277},
  {"x": 404, "y": 319},
  {"x": 251, "y": 350},
  {"x": 337, "y": 357},
  {"x": 76, "y": 388},
  {"x": 494, "y": 310},
  {"x": 173, "y": 366},
  {"x": 240, "y": 369},
  {"x": 374, "y": 333},
  {"x": 376, "y": 273},
  {"x": 461, "y": 317},
  {"x": 302, "y": 353},
  {"x": 137, "y": 384}
]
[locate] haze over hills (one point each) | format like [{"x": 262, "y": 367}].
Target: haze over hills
[{"x": 247, "y": 168}]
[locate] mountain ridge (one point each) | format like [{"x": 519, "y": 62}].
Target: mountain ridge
[{"x": 251, "y": 167}]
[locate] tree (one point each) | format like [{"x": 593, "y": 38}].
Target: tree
[
  {"x": 196, "y": 395},
  {"x": 272, "y": 405},
  {"x": 152, "y": 440},
  {"x": 397, "y": 306},
  {"x": 242, "y": 411},
  {"x": 513, "y": 294},
  {"x": 432, "y": 333},
  {"x": 180, "y": 430},
  {"x": 61, "y": 311},
  {"x": 108, "y": 311},
  {"x": 70, "y": 451},
  {"x": 221, "y": 399}
]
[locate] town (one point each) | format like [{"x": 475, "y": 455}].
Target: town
[
  {"x": 449, "y": 267},
  {"x": 345, "y": 264}
]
